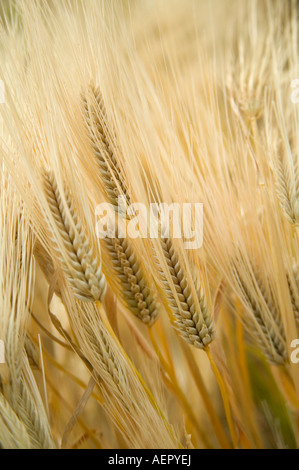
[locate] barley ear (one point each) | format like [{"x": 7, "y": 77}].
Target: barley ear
[
  {"x": 135, "y": 290},
  {"x": 101, "y": 139},
  {"x": 82, "y": 268},
  {"x": 268, "y": 332},
  {"x": 293, "y": 285},
  {"x": 188, "y": 306}
]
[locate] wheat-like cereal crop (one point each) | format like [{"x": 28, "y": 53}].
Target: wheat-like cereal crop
[
  {"x": 192, "y": 317},
  {"x": 134, "y": 286},
  {"x": 170, "y": 332},
  {"x": 85, "y": 273},
  {"x": 97, "y": 124}
]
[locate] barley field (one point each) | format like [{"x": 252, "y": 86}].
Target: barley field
[{"x": 147, "y": 338}]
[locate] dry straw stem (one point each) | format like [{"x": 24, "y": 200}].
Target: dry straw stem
[
  {"x": 82, "y": 269},
  {"x": 103, "y": 144},
  {"x": 243, "y": 378},
  {"x": 225, "y": 398},
  {"x": 174, "y": 386},
  {"x": 209, "y": 405}
]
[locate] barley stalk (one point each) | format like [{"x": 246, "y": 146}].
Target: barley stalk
[
  {"x": 82, "y": 269},
  {"x": 13, "y": 433},
  {"x": 193, "y": 320},
  {"x": 293, "y": 284},
  {"x": 46, "y": 263},
  {"x": 19, "y": 388},
  {"x": 36, "y": 424},
  {"x": 287, "y": 191},
  {"x": 135, "y": 290},
  {"x": 122, "y": 385},
  {"x": 97, "y": 125},
  {"x": 270, "y": 335}
]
